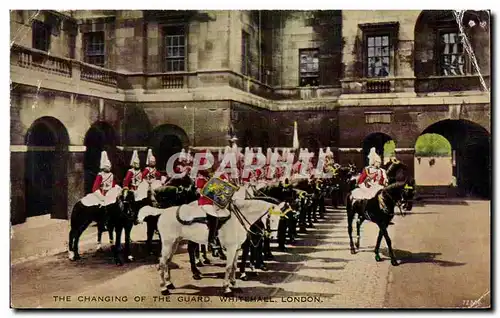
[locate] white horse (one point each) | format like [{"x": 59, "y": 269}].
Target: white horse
[{"x": 232, "y": 233}]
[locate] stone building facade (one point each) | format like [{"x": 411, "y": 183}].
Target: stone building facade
[{"x": 87, "y": 81}]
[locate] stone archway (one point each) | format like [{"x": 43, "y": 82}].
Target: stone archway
[
  {"x": 471, "y": 145},
  {"x": 101, "y": 136},
  {"x": 377, "y": 140},
  {"x": 167, "y": 140},
  {"x": 46, "y": 177}
]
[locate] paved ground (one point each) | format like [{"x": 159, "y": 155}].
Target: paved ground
[{"x": 448, "y": 266}]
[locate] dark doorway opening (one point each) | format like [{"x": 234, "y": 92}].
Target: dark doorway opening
[{"x": 46, "y": 168}]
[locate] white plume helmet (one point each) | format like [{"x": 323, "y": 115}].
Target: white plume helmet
[
  {"x": 247, "y": 150},
  {"x": 373, "y": 157},
  {"x": 182, "y": 155},
  {"x": 150, "y": 157},
  {"x": 259, "y": 150},
  {"x": 135, "y": 158},
  {"x": 321, "y": 154},
  {"x": 105, "y": 163}
]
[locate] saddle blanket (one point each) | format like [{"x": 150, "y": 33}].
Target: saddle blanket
[
  {"x": 213, "y": 211},
  {"x": 96, "y": 198},
  {"x": 142, "y": 189},
  {"x": 148, "y": 211},
  {"x": 363, "y": 192}
]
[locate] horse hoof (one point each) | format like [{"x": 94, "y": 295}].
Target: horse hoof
[
  {"x": 263, "y": 268},
  {"x": 228, "y": 291},
  {"x": 244, "y": 277},
  {"x": 165, "y": 292},
  {"x": 170, "y": 286},
  {"x": 377, "y": 258},
  {"x": 199, "y": 264},
  {"x": 394, "y": 262},
  {"x": 130, "y": 258},
  {"x": 196, "y": 276},
  {"x": 353, "y": 251},
  {"x": 206, "y": 261},
  {"x": 118, "y": 262},
  {"x": 71, "y": 256},
  {"x": 99, "y": 247},
  {"x": 223, "y": 257}
]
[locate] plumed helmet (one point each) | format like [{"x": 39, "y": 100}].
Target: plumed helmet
[
  {"x": 373, "y": 157},
  {"x": 105, "y": 163},
  {"x": 135, "y": 158}
]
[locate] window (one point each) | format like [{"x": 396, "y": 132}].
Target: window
[
  {"x": 94, "y": 48},
  {"x": 451, "y": 54},
  {"x": 41, "y": 36},
  {"x": 245, "y": 53},
  {"x": 175, "y": 48},
  {"x": 309, "y": 67},
  {"x": 378, "y": 56}
]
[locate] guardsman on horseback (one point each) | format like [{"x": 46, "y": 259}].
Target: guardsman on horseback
[
  {"x": 150, "y": 173},
  {"x": 372, "y": 179},
  {"x": 105, "y": 182},
  {"x": 213, "y": 212},
  {"x": 134, "y": 175}
]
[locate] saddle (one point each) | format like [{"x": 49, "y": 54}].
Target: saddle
[{"x": 188, "y": 216}]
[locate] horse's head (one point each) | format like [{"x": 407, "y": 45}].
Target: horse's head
[
  {"x": 408, "y": 194},
  {"x": 126, "y": 204},
  {"x": 396, "y": 171},
  {"x": 276, "y": 212}
]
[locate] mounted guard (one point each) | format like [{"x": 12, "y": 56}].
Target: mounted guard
[
  {"x": 105, "y": 190},
  {"x": 134, "y": 175},
  {"x": 372, "y": 179},
  {"x": 151, "y": 179}
]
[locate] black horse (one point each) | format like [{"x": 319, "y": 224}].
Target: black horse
[
  {"x": 121, "y": 215},
  {"x": 397, "y": 194}
]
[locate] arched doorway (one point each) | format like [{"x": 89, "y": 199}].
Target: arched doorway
[
  {"x": 46, "y": 168},
  {"x": 378, "y": 140},
  {"x": 167, "y": 140},
  {"x": 471, "y": 150},
  {"x": 101, "y": 136}
]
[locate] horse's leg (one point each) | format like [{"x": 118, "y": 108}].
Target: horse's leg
[
  {"x": 394, "y": 261},
  {"x": 192, "y": 260},
  {"x": 100, "y": 229},
  {"x": 206, "y": 261},
  {"x": 359, "y": 221},
  {"x": 110, "y": 228},
  {"x": 128, "y": 230},
  {"x": 222, "y": 256},
  {"x": 244, "y": 255},
  {"x": 268, "y": 255},
  {"x": 165, "y": 257},
  {"x": 199, "y": 263},
  {"x": 149, "y": 238},
  {"x": 350, "y": 217},
  {"x": 377, "y": 245},
  {"x": 117, "y": 246},
  {"x": 229, "y": 273},
  {"x": 234, "y": 266},
  {"x": 76, "y": 238}
]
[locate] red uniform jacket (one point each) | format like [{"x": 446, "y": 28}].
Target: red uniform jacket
[
  {"x": 132, "y": 179},
  {"x": 151, "y": 175},
  {"x": 377, "y": 176},
  {"x": 104, "y": 185}
]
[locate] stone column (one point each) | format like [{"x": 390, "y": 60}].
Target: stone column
[
  {"x": 75, "y": 173},
  {"x": 17, "y": 188}
]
